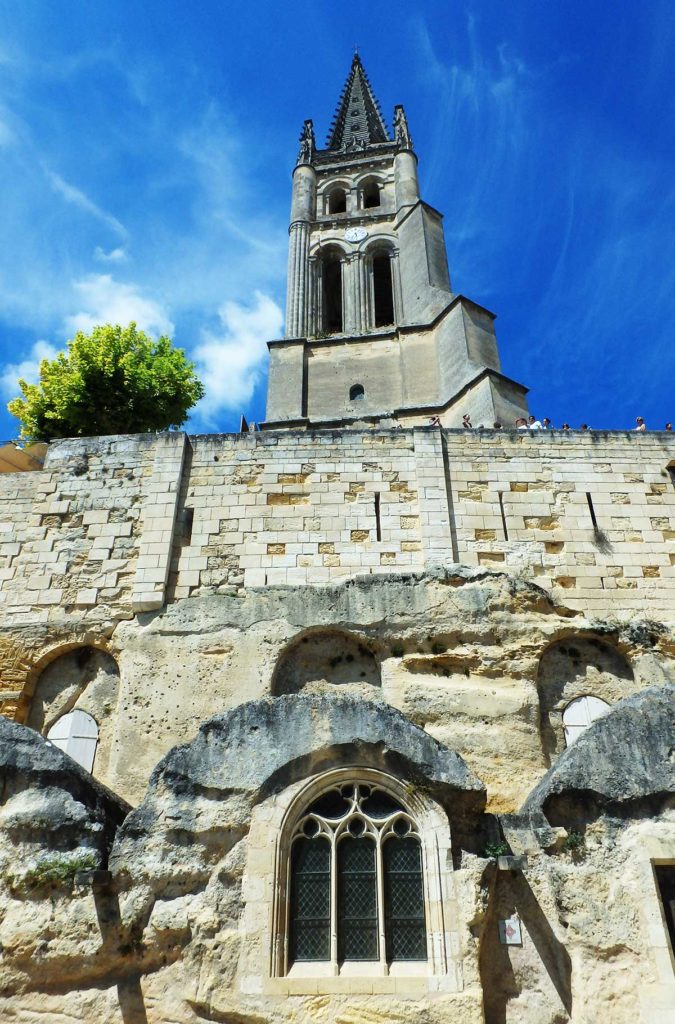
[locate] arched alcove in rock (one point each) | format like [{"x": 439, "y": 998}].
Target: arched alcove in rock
[
  {"x": 322, "y": 661},
  {"x": 578, "y": 666}
]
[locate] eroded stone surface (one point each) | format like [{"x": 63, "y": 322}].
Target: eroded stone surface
[{"x": 623, "y": 758}]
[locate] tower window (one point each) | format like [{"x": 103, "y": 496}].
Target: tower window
[
  {"x": 383, "y": 292},
  {"x": 356, "y": 880},
  {"x": 356, "y": 391},
  {"x": 332, "y": 294},
  {"x": 337, "y": 201},
  {"x": 371, "y": 195}
]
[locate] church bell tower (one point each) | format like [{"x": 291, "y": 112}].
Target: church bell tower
[{"x": 374, "y": 333}]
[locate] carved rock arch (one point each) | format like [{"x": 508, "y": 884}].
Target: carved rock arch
[{"x": 324, "y": 660}]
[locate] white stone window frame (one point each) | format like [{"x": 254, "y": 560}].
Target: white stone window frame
[{"x": 440, "y": 970}]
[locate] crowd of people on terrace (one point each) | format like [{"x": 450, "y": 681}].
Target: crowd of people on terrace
[{"x": 531, "y": 423}]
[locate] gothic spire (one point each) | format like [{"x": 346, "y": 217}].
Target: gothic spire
[{"x": 358, "y": 120}]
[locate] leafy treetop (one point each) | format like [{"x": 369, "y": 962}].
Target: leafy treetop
[{"x": 115, "y": 380}]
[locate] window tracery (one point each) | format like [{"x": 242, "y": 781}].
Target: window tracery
[{"x": 356, "y": 882}]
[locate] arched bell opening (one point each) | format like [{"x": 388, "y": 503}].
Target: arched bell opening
[
  {"x": 332, "y": 289},
  {"x": 383, "y": 290},
  {"x": 337, "y": 201}
]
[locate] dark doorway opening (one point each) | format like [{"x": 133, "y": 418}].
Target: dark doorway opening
[
  {"x": 332, "y": 296},
  {"x": 383, "y": 291}
]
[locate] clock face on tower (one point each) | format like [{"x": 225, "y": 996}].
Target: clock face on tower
[{"x": 355, "y": 234}]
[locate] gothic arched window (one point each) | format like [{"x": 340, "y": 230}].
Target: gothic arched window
[
  {"x": 76, "y": 734},
  {"x": 580, "y": 714},
  {"x": 356, "y": 885}
]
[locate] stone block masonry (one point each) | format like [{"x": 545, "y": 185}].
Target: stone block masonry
[{"x": 120, "y": 525}]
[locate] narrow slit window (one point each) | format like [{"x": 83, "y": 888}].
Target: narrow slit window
[
  {"x": 503, "y": 514},
  {"x": 188, "y": 520},
  {"x": 591, "y": 510},
  {"x": 378, "y": 524}
]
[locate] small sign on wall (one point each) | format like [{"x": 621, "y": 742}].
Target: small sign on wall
[{"x": 509, "y": 931}]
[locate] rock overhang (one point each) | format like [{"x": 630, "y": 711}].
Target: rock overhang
[{"x": 624, "y": 762}]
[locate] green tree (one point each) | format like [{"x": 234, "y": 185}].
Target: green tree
[{"x": 115, "y": 380}]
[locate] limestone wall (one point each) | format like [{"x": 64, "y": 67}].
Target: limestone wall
[{"x": 111, "y": 521}]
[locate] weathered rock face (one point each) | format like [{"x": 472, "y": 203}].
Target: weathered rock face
[
  {"x": 57, "y": 825},
  {"x": 201, "y": 796},
  {"x": 474, "y": 657},
  {"x": 49, "y": 802},
  {"x": 452, "y": 682},
  {"x": 622, "y": 759}
]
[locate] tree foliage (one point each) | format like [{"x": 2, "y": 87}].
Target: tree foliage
[{"x": 115, "y": 380}]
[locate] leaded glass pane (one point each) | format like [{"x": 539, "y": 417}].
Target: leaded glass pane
[
  {"x": 310, "y": 900},
  {"x": 330, "y": 805},
  {"x": 357, "y": 899},
  {"x": 379, "y": 805},
  {"x": 405, "y": 929}
]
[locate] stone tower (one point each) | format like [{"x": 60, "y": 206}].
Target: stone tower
[{"x": 374, "y": 332}]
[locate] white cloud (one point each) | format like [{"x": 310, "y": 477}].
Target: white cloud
[
  {"x": 114, "y": 256},
  {"x": 107, "y": 301},
  {"x": 77, "y": 198},
  {"x": 231, "y": 363},
  {"x": 28, "y": 369}
]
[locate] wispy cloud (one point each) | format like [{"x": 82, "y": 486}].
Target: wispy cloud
[
  {"x": 107, "y": 301},
  {"x": 74, "y": 195},
  {"x": 28, "y": 369},
  {"x": 118, "y": 255},
  {"x": 231, "y": 362}
]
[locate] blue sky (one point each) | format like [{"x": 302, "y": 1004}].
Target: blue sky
[{"x": 146, "y": 152}]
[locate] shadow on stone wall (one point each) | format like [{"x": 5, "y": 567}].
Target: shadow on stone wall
[{"x": 508, "y": 971}]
